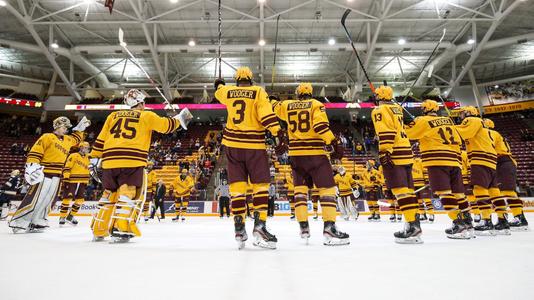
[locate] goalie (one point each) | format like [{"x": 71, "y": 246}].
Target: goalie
[
  {"x": 44, "y": 165},
  {"x": 123, "y": 146}
]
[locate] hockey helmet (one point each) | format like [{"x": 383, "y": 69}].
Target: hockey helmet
[
  {"x": 15, "y": 173},
  {"x": 429, "y": 106},
  {"x": 470, "y": 111},
  {"x": 61, "y": 122},
  {"x": 384, "y": 93},
  {"x": 304, "y": 88},
  {"x": 488, "y": 123},
  {"x": 134, "y": 97},
  {"x": 243, "y": 73}
]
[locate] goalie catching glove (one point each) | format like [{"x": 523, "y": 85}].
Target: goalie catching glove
[
  {"x": 184, "y": 116},
  {"x": 336, "y": 149},
  {"x": 82, "y": 125},
  {"x": 33, "y": 174}
]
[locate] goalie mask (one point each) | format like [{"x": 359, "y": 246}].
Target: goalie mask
[
  {"x": 61, "y": 122},
  {"x": 134, "y": 97}
]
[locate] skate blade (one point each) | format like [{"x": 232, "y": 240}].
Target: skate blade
[
  {"x": 485, "y": 233},
  {"x": 119, "y": 240},
  {"x": 97, "y": 239},
  {"x": 519, "y": 229},
  {"x": 459, "y": 236},
  {"x": 411, "y": 240},
  {"x": 240, "y": 245},
  {"x": 264, "y": 244},
  {"x": 503, "y": 232},
  {"x": 18, "y": 229}
]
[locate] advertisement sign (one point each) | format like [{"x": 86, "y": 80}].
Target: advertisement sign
[{"x": 502, "y": 108}]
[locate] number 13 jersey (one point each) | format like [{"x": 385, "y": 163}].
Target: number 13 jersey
[
  {"x": 249, "y": 114},
  {"x": 125, "y": 137},
  {"x": 439, "y": 142},
  {"x": 308, "y": 126},
  {"x": 387, "y": 119}
]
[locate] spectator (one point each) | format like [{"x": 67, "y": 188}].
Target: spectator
[
  {"x": 222, "y": 194},
  {"x": 197, "y": 143},
  {"x": 359, "y": 149},
  {"x": 14, "y": 149}
]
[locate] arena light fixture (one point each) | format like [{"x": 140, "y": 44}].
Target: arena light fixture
[
  {"x": 496, "y": 86},
  {"x": 470, "y": 41},
  {"x": 402, "y": 41},
  {"x": 173, "y": 1},
  {"x": 3, "y": 3},
  {"x": 191, "y": 43},
  {"x": 261, "y": 42},
  {"x": 261, "y": 1},
  {"x": 54, "y": 45},
  {"x": 331, "y": 42}
]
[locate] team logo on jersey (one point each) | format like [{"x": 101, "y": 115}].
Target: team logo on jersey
[{"x": 241, "y": 94}]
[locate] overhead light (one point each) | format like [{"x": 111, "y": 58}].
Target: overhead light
[
  {"x": 470, "y": 41},
  {"x": 205, "y": 86},
  {"x": 496, "y": 86},
  {"x": 54, "y": 45},
  {"x": 3, "y": 3},
  {"x": 122, "y": 92},
  {"x": 191, "y": 43},
  {"x": 261, "y": 43},
  {"x": 402, "y": 41},
  {"x": 326, "y": 85},
  {"x": 331, "y": 42},
  {"x": 174, "y": 1},
  {"x": 261, "y": 1}
]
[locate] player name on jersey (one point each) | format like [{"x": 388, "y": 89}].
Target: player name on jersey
[
  {"x": 440, "y": 122},
  {"x": 241, "y": 94}
]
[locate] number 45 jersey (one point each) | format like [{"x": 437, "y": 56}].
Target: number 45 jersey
[
  {"x": 249, "y": 114},
  {"x": 308, "y": 126},
  {"x": 439, "y": 141},
  {"x": 125, "y": 137}
]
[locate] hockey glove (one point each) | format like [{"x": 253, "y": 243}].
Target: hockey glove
[
  {"x": 33, "y": 174},
  {"x": 356, "y": 193},
  {"x": 280, "y": 142},
  {"x": 218, "y": 82},
  {"x": 95, "y": 170},
  {"x": 385, "y": 159},
  {"x": 336, "y": 149},
  {"x": 82, "y": 125},
  {"x": 185, "y": 116}
]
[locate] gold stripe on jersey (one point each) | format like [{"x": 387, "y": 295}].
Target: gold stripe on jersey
[
  {"x": 482, "y": 158},
  {"x": 50, "y": 151},
  {"x": 502, "y": 148},
  {"x": 387, "y": 120},
  {"x": 76, "y": 168},
  {"x": 478, "y": 141}
]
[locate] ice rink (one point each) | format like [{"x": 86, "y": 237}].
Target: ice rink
[{"x": 198, "y": 259}]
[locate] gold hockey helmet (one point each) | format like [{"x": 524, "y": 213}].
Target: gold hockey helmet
[
  {"x": 305, "y": 88},
  {"x": 384, "y": 93},
  {"x": 488, "y": 123},
  {"x": 243, "y": 73},
  {"x": 429, "y": 106}
]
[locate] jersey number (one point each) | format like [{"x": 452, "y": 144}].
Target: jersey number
[
  {"x": 302, "y": 121},
  {"x": 123, "y": 129},
  {"x": 240, "y": 111},
  {"x": 447, "y": 141}
]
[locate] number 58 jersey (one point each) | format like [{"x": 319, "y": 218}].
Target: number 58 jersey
[
  {"x": 308, "y": 126},
  {"x": 125, "y": 137},
  {"x": 249, "y": 114}
]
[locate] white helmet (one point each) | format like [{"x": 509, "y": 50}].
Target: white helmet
[
  {"x": 134, "y": 97},
  {"x": 61, "y": 122}
]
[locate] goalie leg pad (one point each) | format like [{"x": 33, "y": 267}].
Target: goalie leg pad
[
  {"x": 127, "y": 210},
  {"x": 102, "y": 219}
]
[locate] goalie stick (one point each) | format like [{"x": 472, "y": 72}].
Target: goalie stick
[{"x": 274, "y": 58}]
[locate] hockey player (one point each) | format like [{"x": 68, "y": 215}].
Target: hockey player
[
  {"x": 483, "y": 159},
  {"x": 74, "y": 182},
  {"x": 371, "y": 184},
  {"x": 396, "y": 158},
  {"x": 182, "y": 187},
  {"x": 152, "y": 180},
  {"x": 346, "y": 185},
  {"x": 439, "y": 144},
  {"x": 9, "y": 189},
  {"x": 43, "y": 170},
  {"x": 123, "y": 146},
  {"x": 290, "y": 194},
  {"x": 249, "y": 115},
  {"x": 507, "y": 177},
  {"x": 309, "y": 132}
]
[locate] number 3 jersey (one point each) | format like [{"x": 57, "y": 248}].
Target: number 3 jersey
[
  {"x": 249, "y": 114},
  {"x": 308, "y": 126},
  {"x": 387, "y": 119},
  {"x": 125, "y": 137},
  {"x": 439, "y": 142}
]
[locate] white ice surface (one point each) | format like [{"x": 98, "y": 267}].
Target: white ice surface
[{"x": 198, "y": 259}]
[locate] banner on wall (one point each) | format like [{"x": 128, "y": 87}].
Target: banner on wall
[{"x": 502, "y": 108}]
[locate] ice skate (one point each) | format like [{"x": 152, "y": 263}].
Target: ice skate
[
  {"x": 316, "y": 217},
  {"x": 377, "y": 217},
  {"x": 183, "y": 219},
  {"x": 304, "y": 230},
  {"x": 34, "y": 228},
  {"x": 477, "y": 218},
  {"x": 176, "y": 219},
  {"x": 485, "y": 228},
  {"x": 393, "y": 218},
  {"x": 468, "y": 221},
  {"x": 71, "y": 220},
  {"x": 519, "y": 223},
  {"x": 458, "y": 230},
  {"x": 411, "y": 234},
  {"x": 61, "y": 221},
  {"x": 17, "y": 229},
  {"x": 423, "y": 218},
  {"x": 371, "y": 218},
  {"x": 502, "y": 227},
  {"x": 292, "y": 217},
  {"x": 98, "y": 238},
  {"x": 399, "y": 217},
  {"x": 118, "y": 237},
  {"x": 240, "y": 232},
  {"x": 431, "y": 218},
  {"x": 333, "y": 237},
  {"x": 263, "y": 238}
]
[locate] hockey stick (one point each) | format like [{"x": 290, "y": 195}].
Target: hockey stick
[
  {"x": 425, "y": 65},
  {"x": 343, "y": 19},
  {"x": 220, "y": 38},
  {"x": 274, "y": 59},
  {"x": 385, "y": 204}
]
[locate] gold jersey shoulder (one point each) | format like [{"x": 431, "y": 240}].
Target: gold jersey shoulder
[
  {"x": 308, "y": 126},
  {"x": 50, "y": 151},
  {"x": 125, "y": 138},
  {"x": 249, "y": 115},
  {"x": 439, "y": 142},
  {"x": 388, "y": 123},
  {"x": 479, "y": 142}
]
